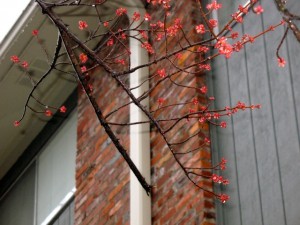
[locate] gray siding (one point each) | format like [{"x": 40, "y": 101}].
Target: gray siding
[{"x": 262, "y": 146}]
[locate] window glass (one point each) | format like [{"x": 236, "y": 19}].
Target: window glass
[
  {"x": 17, "y": 207},
  {"x": 56, "y": 169}
]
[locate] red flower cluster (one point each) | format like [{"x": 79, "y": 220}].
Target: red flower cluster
[
  {"x": 219, "y": 179},
  {"x": 106, "y": 24},
  {"x": 223, "y": 124},
  {"x": 223, "y": 164},
  {"x": 25, "y": 64},
  {"x": 16, "y": 123},
  {"x": 83, "y": 57},
  {"x": 224, "y": 47},
  {"x": 281, "y": 62},
  {"x": 237, "y": 17},
  {"x": 147, "y": 17},
  {"x": 35, "y": 32},
  {"x": 82, "y": 24},
  {"x": 223, "y": 198},
  {"x": 214, "y": 5},
  {"x": 136, "y": 16},
  {"x": 203, "y": 49},
  {"x": 48, "y": 112},
  {"x": 213, "y": 23},
  {"x": 258, "y": 9},
  {"x": 15, "y": 59},
  {"x": 205, "y": 67},
  {"x": 121, "y": 11},
  {"x": 172, "y": 30},
  {"x": 63, "y": 109},
  {"x": 195, "y": 101},
  {"x": 160, "y": 101},
  {"x": 200, "y": 29},
  {"x": 203, "y": 89},
  {"x": 164, "y": 3},
  {"x": 120, "y": 61},
  {"x": 110, "y": 42},
  {"x": 148, "y": 47},
  {"x": 161, "y": 73}
]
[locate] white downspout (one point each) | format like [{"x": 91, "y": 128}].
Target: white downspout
[{"x": 140, "y": 203}]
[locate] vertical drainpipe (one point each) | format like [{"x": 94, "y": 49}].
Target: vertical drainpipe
[{"x": 140, "y": 203}]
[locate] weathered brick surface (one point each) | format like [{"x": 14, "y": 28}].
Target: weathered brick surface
[
  {"x": 102, "y": 177},
  {"x": 175, "y": 200}
]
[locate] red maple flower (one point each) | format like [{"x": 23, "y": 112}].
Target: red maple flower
[
  {"x": 200, "y": 29},
  {"x": 25, "y": 64},
  {"x": 223, "y": 124},
  {"x": 63, "y": 109},
  {"x": 15, "y": 59},
  {"x": 136, "y": 16},
  {"x": 213, "y": 23},
  {"x": 178, "y": 55},
  {"x": 223, "y": 164},
  {"x": 83, "y": 57},
  {"x": 215, "y": 178},
  {"x": 281, "y": 62},
  {"x": 203, "y": 89},
  {"x": 223, "y": 198},
  {"x": 160, "y": 101},
  {"x": 216, "y": 116},
  {"x": 237, "y": 17},
  {"x": 237, "y": 46},
  {"x": 258, "y": 9},
  {"x": 91, "y": 88},
  {"x": 83, "y": 69},
  {"x": 148, "y": 47},
  {"x": 224, "y": 47},
  {"x": 203, "y": 49},
  {"x": 120, "y": 61},
  {"x": 225, "y": 181},
  {"x": 16, "y": 123},
  {"x": 243, "y": 9},
  {"x": 161, "y": 73},
  {"x": 202, "y": 119},
  {"x": 48, "y": 112},
  {"x": 82, "y": 24},
  {"x": 234, "y": 35},
  {"x": 207, "y": 140},
  {"x": 121, "y": 11},
  {"x": 35, "y": 32},
  {"x": 147, "y": 17},
  {"x": 214, "y": 5},
  {"x": 106, "y": 24},
  {"x": 110, "y": 42},
  {"x": 195, "y": 101},
  {"x": 205, "y": 67},
  {"x": 241, "y": 105}
]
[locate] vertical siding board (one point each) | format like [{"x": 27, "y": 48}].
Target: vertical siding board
[
  {"x": 263, "y": 132},
  {"x": 244, "y": 147},
  {"x": 284, "y": 120},
  {"x": 230, "y": 213},
  {"x": 293, "y": 47},
  {"x": 265, "y": 143}
]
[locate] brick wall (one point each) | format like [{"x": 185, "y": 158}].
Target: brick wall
[
  {"x": 102, "y": 177},
  {"x": 175, "y": 200}
]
